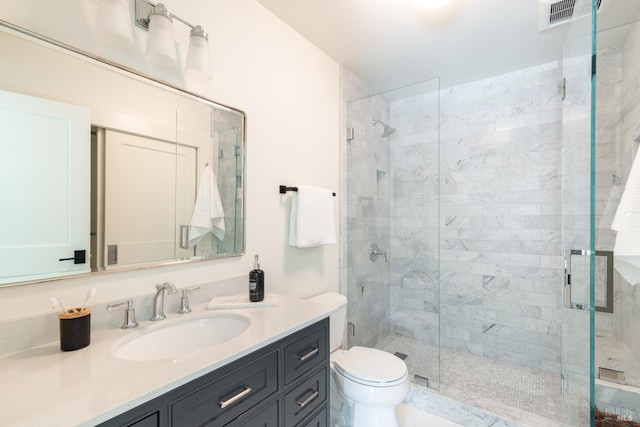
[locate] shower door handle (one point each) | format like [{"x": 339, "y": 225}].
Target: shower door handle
[{"x": 568, "y": 280}]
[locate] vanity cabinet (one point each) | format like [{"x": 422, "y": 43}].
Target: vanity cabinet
[{"x": 283, "y": 384}]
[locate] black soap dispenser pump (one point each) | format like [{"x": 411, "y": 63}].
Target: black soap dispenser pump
[{"x": 256, "y": 282}]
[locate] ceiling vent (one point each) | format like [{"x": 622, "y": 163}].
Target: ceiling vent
[{"x": 554, "y": 13}]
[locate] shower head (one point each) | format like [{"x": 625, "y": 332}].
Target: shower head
[{"x": 387, "y": 130}]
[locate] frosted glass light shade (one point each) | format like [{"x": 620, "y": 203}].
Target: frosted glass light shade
[
  {"x": 198, "y": 65},
  {"x": 161, "y": 45},
  {"x": 431, "y": 4},
  {"x": 113, "y": 23}
]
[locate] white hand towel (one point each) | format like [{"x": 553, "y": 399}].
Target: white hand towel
[
  {"x": 241, "y": 301},
  {"x": 626, "y": 252},
  {"x": 312, "y": 218},
  {"x": 208, "y": 214}
]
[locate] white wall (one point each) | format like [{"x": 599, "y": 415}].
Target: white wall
[{"x": 290, "y": 92}]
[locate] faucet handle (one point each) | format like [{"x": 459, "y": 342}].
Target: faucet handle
[
  {"x": 129, "y": 313},
  {"x": 184, "y": 301},
  {"x": 375, "y": 252}
]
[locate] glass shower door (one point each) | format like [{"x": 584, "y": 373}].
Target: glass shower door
[
  {"x": 368, "y": 223},
  {"x": 578, "y": 222},
  {"x": 393, "y": 288}
]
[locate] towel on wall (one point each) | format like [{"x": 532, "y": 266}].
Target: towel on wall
[
  {"x": 208, "y": 214},
  {"x": 312, "y": 218},
  {"x": 626, "y": 252}
]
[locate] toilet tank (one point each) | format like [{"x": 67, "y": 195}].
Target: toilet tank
[{"x": 337, "y": 303}]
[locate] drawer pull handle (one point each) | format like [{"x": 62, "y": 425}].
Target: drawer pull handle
[
  {"x": 308, "y": 355},
  {"x": 224, "y": 403},
  {"x": 308, "y": 399}
]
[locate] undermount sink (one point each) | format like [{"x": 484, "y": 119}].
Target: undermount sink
[{"x": 179, "y": 339}]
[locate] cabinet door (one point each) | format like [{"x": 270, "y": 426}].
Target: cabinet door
[
  {"x": 230, "y": 396},
  {"x": 305, "y": 398},
  {"x": 267, "y": 417},
  {"x": 146, "y": 415},
  {"x": 320, "y": 420},
  {"x": 305, "y": 354},
  {"x": 45, "y": 208},
  {"x": 152, "y": 420}
]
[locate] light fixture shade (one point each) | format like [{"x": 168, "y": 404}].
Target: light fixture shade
[
  {"x": 198, "y": 65},
  {"x": 113, "y": 23},
  {"x": 431, "y": 4},
  {"x": 161, "y": 45}
]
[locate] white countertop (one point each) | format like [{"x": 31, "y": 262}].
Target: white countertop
[{"x": 44, "y": 386}]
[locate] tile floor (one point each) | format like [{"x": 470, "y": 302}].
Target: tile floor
[
  {"x": 613, "y": 353},
  {"x": 510, "y": 395},
  {"x": 410, "y": 416}
]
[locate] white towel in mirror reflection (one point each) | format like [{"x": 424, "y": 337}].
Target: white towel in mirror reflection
[{"x": 208, "y": 214}]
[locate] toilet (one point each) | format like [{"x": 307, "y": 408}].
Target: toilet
[{"x": 366, "y": 384}]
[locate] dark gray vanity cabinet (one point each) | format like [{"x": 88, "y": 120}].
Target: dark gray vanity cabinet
[{"x": 283, "y": 384}]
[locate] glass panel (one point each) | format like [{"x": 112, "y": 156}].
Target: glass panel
[
  {"x": 393, "y": 202},
  {"x": 617, "y": 333},
  {"x": 577, "y": 224}
]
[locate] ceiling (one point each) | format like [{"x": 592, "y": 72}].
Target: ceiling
[{"x": 393, "y": 43}]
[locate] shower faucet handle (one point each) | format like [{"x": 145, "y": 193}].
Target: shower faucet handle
[{"x": 375, "y": 252}]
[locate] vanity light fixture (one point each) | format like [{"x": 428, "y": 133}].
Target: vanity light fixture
[
  {"x": 161, "y": 48},
  {"x": 161, "y": 45},
  {"x": 113, "y": 23},
  {"x": 198, "y": 59},
  {"x": 431, "y": 4}
]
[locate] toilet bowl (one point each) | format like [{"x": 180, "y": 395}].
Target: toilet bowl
[{"x": 366, "y": 384}]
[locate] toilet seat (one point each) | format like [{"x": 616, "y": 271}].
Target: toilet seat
[{"x": 371, "y": 367}]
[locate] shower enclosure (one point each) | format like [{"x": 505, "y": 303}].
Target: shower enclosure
[{"x": 490, "y": 207}]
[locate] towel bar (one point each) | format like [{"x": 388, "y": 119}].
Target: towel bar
[{"x": 284, "y": 189}]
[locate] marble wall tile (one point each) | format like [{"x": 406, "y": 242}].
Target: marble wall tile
[
  {"x": 366, "y": 214},
  {"x": 500, "y": 205}
]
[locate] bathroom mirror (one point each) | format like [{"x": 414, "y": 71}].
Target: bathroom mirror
[{"x": 154, "y": 154}]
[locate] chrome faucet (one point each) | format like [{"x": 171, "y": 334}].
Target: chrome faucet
[{"x": 158, "y": 300}]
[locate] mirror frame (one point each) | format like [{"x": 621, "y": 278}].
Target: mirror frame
[{"x": 146, "y": 78}]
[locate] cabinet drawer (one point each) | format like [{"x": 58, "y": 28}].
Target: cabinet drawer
[
  {"x": 320, "y": 420},
  {"x": 305, "y": 398},
  {"x": 226, "y": 398},
  {"x": 152, "y": 420},
  {"x": 304, "y": 354},
  {"x": 145, "y": 415},
  {"x": 267, "y": 417}
]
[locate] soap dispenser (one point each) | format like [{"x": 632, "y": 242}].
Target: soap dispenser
[{"x": 256, "y": 282}]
